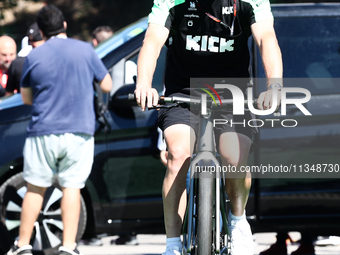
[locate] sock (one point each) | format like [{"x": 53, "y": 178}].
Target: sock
[
  {"x": 236, "y": 218},
  {"x": 174, "y": 241}
]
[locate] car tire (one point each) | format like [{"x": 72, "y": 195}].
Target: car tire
[{"x": 48, "y": 229}]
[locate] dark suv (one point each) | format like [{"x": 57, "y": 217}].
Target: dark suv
[{"x": 123, "y": 192}]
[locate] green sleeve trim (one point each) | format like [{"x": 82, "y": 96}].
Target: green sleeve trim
[
  {"x": 261, "y": 9},
  {"x": 161, "y": 10}
]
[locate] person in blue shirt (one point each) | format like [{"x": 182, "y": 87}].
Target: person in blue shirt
[{"x": 57, "y": 81}]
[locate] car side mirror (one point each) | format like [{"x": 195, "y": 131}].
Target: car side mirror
[{"x": 119, "y": 101}]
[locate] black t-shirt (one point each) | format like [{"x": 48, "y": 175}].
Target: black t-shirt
[
  {"x": 14, "y": 75},
  {"x": 201, "y": 47}
]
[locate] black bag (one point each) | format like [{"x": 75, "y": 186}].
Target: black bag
[{"x": 100, "y": 109}]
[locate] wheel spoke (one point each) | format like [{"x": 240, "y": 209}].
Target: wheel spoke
[
  {"x": 13, "y": 207},
  {"x": 22, "y": 192},
  {"x": 12, "y": 224},
  {"x": 55, "y": 196},
  {"x": 37, "y": 245},
  {"x": 16, "y": 196},
  {"x": 12, "y": 215},
  {"x": 58, "y": 223},
  {"x": 54, "y": 213},
  {"x": 52, "y": 238}
]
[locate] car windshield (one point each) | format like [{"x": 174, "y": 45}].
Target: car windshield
[
  {"x": 122, "y": 36},
  {"x": 310, "y": 49}
]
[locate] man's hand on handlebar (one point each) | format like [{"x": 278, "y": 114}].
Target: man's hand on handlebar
[
  {"x": 265, "y": 100},
  {"x": 146, "y": 97}
]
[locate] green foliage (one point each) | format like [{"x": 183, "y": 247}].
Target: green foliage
[
  {"x": 82, "y": 16},
  {"x": 6, "y": 4}
]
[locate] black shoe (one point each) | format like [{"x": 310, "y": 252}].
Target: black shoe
[
  {"x": 304, "y": 249},
  {"x": 24, "y": 250},
  {"x": 65, "y": 251},
  {"x": 275, "y": 249},
  {"x": 126, "y": 240},
  {"x": 92, "y": 242}
]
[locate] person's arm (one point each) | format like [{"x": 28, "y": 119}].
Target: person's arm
[
  {"x": 27, "y": 95},
  {"x": 25, "y": 84},
  {"x": 155, "y": 37},
  {"x": 264, "y": 35},
  {"x": 8, "y": 94},
  {"x": 106, "y": 84}
]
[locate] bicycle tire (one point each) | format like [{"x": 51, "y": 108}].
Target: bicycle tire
[
  {"x": 225, "y": 207},
  {"x": 204, "y": 213}
]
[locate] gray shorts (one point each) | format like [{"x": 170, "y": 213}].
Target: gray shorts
[{"x": 67, "y": 156}]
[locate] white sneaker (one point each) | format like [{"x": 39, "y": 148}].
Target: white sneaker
[
  {"x": 25, "y": 250},
  {"x": 330, "y": 240},
  {"x": 173, "y": 250},
  {"x": 65, "y": 251},
  {"x": 241, "y": 238},
  {"x": 15, "y": 250}
]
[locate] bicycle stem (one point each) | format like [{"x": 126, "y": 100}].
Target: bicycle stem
[{"x": 206, "y": 138}]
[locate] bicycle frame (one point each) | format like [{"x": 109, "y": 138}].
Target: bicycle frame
[{"x": 205, "y": 151}]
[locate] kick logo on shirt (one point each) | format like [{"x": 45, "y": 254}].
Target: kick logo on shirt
[
  {"x": 227, "y": 10},
  {"x": 209, "y": 43}
]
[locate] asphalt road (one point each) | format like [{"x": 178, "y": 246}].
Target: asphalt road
[{"x": 155, "y": 245}]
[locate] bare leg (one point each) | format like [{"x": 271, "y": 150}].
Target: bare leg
[
  {"x": 164, "y": 157},
  {"x": 234, "y": 150},
  {"x": 180, "y": 141},
  {"x": 70, "y": 212},
  {"x": 31, "y": 207}
]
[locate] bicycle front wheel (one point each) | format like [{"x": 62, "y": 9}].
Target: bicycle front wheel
[{"x": 205, "y": 214}]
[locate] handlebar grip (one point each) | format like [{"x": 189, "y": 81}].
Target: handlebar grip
[{"x": 131, "y": 97}]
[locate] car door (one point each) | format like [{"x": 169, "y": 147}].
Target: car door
[
  {"x": 310, "y": 43},
  {"x": 127, "y": 172}
]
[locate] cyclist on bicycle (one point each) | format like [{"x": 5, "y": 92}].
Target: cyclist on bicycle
[{"x": 200, "y": 45}]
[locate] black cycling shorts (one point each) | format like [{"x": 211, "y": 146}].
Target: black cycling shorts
[{"x": 225, "y": 121}]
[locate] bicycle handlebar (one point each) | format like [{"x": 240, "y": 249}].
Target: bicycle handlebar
[
  {"x": 131, "y": 97},
  {"x": 188, "y": 102}
]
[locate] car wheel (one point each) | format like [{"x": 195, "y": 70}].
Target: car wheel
[{"x": 48, "y": 229}]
